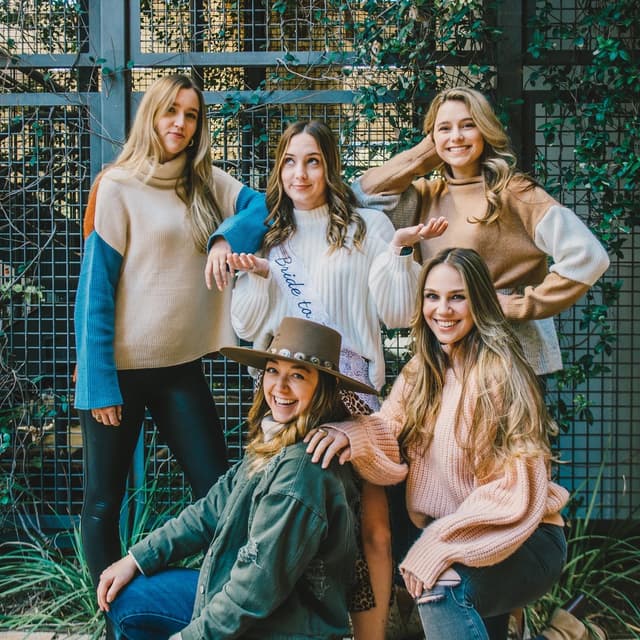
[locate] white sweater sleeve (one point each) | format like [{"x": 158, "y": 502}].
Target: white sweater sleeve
[
  {"x": 250, "y": 304},
  {"x": 577, "y": 255},
  {"x": 393, "y": 279}
]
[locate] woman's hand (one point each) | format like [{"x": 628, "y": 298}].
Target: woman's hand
[
  {"x": 248, "y": 262},
  {"x": 327, "y": 443},
  {"x": 408, "y": 236},
  {"x": 216, "y": 267},
  {"x": 414, "y": 585},
  {"x": 114, "y": 578},
  {"x": 448, "y": 578},
  {"x": 109, "y": 416}
]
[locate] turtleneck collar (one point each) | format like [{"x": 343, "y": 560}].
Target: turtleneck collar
[
  {"x": 166, "y": 175},
  {"x": 270, "y": 428},
  {"x": 319, "y": 214},
  {"x": 460, "y": 181}
]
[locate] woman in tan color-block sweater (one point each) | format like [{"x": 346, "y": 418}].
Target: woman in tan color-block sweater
[
  {"x": 493, "y": 208},
  {"x": 465, "y": 424}
]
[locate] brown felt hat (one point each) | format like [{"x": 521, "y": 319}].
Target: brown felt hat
[{"x": 298, "y": 340}]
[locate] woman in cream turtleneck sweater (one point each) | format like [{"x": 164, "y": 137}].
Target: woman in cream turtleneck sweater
[
  {"x": 326, "y": 261},
  {"x": 143, "y": 315}
]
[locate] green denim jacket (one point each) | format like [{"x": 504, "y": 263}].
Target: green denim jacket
[{"x": 281, "y": 551}]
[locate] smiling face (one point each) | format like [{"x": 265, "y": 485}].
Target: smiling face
[
  {"x": 458, "y": 140},
  {"x": 302, "y": 173},
  {"x": 445, "y": 307},
  {"x": 288, "y": 388},
  {"x": 177, "y": 125}
]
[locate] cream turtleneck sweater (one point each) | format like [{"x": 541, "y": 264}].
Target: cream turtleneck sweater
[
  {"x": 359, "y": 288},
  {"x": 164, "y": 313},
  {"x": 142, "y": 301}
]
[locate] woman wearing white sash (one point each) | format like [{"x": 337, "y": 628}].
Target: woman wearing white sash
[{"x": 324, "y": 260}]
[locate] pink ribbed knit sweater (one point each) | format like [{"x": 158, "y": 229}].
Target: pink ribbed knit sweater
[{"x": 463, "y": 521}]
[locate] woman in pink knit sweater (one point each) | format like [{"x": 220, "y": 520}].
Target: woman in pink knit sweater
[{"x": 465, "y": 424}]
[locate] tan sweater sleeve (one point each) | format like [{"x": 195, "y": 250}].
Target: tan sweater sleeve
[
  {"x": 396, "y": 175},
  {"x": 490, "y": 524},
  {"x": 553, "y": 295},
  {"x": 375, "y": 453},
  {"x": 578, "y": 260}
]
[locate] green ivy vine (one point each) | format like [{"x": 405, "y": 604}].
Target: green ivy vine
[{"x": 598, "y": 100}]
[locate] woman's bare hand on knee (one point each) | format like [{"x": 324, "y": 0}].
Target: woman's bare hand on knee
[
  {"x": 325, "y": 444},
  {"x": 114, "y": 578}
]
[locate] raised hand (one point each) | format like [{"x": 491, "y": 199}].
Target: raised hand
[{"x": 408, "y": 236}]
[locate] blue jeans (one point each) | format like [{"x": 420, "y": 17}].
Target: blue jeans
[
  {"x": 478, "y": 608},
  {"x": 152, "y": 608}
]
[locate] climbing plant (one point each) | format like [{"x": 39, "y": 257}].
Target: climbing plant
[{"x": 598, "y": 102}]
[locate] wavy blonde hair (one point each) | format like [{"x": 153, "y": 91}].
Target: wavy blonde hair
[
  {"x": 143, "y": 146},
  {"x": 501, "y": 395},
  {"x": 498, "y": 161},
  {"x": 340, "y": 198},
  {"x": 326, "y": 406}
]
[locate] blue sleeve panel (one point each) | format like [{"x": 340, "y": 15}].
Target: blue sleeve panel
[
  {"x": 94, "y": 317},
  {"x": 245, "y": 230}
]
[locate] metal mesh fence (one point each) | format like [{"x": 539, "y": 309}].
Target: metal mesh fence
[
  {"x": 597, "y": 451},
  {"x": 244, "y": 26},
  {"x": 32, "y": 26},
  {"x": 49, "y": 154},
  {"x": 45, "y": 152}
]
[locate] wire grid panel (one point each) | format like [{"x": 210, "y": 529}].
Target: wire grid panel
[
  {"x": 45, "y": 186},
  {"x": 245, "y": 146},
  {"x": 46, "y": 154},
  {"x": 33, "y": 26},
  {"x": 596, "y": 453},
  {"x": 565, "y": 18},
  {"x": 217, "y": 26}
]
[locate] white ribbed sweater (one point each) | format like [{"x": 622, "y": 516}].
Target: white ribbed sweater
[
  {"x": 358, "y": 287},
  {"x": 474, "y": 524}
]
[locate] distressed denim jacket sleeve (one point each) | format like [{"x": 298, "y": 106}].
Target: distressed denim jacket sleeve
[{"x": 187, "y": 534}]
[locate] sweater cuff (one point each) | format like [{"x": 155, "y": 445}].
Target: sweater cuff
[
  {"x": 425, "y": 561},
  {"x": 400, "y": 261},
  {"x": 397, "y": 174},
  {"x": 357, "y": 434}
]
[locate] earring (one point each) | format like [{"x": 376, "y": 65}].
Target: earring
[{"x": 191, "y": 143}]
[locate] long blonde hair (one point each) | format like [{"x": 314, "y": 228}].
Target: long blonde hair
[
  {"x": 143, "y": 145},
  {"x": 340, "y": 198},
  {"x": 326, "y": 406},
  {"x": 508, "y": 416},
  {"x": 498, "y": 161}
]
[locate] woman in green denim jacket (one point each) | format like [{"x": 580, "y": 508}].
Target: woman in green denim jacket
[{"x": 278, "y": 530}]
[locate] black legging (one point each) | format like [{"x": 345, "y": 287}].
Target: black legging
[{"x": 181, "y": 405}]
